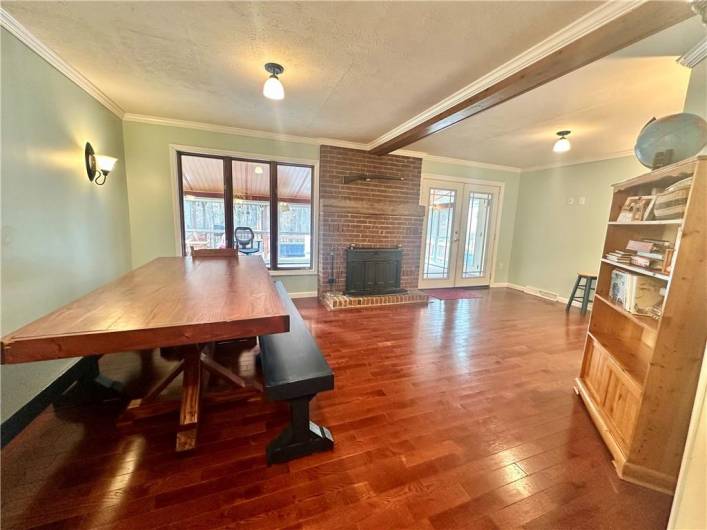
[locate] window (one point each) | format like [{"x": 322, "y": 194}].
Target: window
[{"x": 222, "y": 196}]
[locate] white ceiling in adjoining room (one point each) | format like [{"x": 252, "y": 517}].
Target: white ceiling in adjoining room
[
  {"x": 353, "y": 70},
  {"x": 604, "y": 104}
]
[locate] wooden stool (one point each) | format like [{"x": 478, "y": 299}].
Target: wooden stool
[{"x": 586, "y": 288}]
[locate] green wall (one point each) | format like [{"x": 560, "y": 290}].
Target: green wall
[
  {"x": 553, "y": 240},
  {"x": 508, "y": 212},
  {"x": 62, "y": 236},
  {"x": 150, "y": 184}
]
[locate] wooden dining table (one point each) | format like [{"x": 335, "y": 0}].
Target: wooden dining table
[{"x": 185, "y": 303}]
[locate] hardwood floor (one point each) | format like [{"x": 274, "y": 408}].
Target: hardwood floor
[{"x": 460, "y": 414}]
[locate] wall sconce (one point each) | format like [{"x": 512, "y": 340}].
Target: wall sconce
[{"x": 98, "y": 166}]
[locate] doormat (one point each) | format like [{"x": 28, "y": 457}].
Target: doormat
[{"x": 453, "y": 293}]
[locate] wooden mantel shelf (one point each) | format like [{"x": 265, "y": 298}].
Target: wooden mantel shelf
[{"x": 365, "y": 177}]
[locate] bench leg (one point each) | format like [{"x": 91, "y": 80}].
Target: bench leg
[{"x": 301, "y": 437}]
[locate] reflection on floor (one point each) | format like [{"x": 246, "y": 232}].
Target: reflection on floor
[{"x": 459, "y": 414}]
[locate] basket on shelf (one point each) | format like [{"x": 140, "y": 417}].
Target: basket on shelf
[{"x": 672, "y": 202}]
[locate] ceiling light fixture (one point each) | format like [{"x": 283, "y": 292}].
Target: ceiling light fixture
[
  {"x": 273, "y": 89},
  {"x": 563, "y": 144}
]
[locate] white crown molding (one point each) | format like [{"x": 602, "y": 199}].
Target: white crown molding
[
  {"x": 8, "y": 22},
  {"x": 584, "y": 25},
  {"x": 254, "y": 133},
  {"x": 695, "y": 56},
  {"x": 470, "y": 163},
  {"x": 238, "y": 131},
  {"x": 618, "y": 154}
]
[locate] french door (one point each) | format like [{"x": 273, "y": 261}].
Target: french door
[{"x": 459, "y": 233}]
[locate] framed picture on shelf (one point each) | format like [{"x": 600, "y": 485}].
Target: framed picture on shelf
[{"x": 638, "y": 208}]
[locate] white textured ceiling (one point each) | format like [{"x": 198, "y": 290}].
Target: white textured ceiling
[
  {"x": 604, "y": 104},
  {"x": 354, "y": 70}
]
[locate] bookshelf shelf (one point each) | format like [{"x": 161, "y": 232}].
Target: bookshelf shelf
[
  {"x": 646, "y": 223},
  {"x": 643, "y": 321},
  {"x": 639, "y": 375},
  {"x": 627, "y": 355},
  {"x": 639, "y": 270}
]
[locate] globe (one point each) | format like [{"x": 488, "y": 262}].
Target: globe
[{"x": 684, "y": 133}]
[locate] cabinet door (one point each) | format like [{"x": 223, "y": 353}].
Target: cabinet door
[
  {"x": 596, "y": 371},
  {"x": 621, "y": 406}
]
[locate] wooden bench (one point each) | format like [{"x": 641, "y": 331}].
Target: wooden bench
[{"x": 294, "y": 370}]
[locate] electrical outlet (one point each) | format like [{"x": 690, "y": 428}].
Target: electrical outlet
[
  {"x": 570, "y": 201},
  {"x": 582, "y": 200}
]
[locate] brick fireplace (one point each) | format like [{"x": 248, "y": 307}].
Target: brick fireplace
[{"x": 379, "y": 213}]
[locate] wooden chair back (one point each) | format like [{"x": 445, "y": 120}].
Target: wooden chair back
[{"x": 214, "y": 252}]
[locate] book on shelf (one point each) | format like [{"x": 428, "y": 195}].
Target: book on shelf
[
  {"x": 668, "y": 261},
  {"x": 641, "y": 261},
  {"x": 639, "y": 246},
  {"x": 650, "y": 254},
  {"x": 648, "y": 245},
  {"x": 658, "y": 243},
  {"x": 619, "y": 257},
  {"x": 635, "y": 293}
]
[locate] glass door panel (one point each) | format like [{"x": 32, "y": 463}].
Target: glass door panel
[
  {"x": 478, "y": 235},
  {"x": 438, "y": 260},
  {"x": 477, "y": 224},
  {"x": 251, "y": 206}
]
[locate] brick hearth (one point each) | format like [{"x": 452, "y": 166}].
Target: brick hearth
[{"x": 342, "y": 301}]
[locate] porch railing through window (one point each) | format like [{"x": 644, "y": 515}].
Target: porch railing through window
[{"x": 212, "y": 203}]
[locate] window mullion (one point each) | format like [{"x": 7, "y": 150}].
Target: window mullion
[
  {"x": 274, "y": 221},
  {"x": 228, "y": 200}
]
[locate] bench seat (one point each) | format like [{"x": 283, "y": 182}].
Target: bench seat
[{"x": 294, "y": 370}]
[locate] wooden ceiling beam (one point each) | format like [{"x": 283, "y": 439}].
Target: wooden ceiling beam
[{"x": 647, "y": 19}]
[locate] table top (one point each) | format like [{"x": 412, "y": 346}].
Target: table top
[{"x": 167, "y": 302}]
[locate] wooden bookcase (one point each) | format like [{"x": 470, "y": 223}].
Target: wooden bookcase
[{"x": 639, "y": 375}]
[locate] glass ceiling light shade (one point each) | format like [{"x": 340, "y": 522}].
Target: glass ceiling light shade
[
  {"x": 273, "y": 89},
  {"x": 563, "y": 144}
]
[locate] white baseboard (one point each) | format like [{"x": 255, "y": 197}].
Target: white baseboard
[
  {"x": 540, "y": 293},
  {"x": 304, "y": 294}
]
